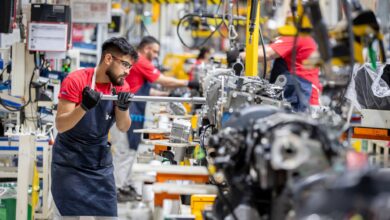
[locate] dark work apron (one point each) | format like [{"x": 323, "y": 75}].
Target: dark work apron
[
  {"x": 298, "y": 103},
  {"x": 82, "y": 170},
  {"x": 137, "y": 113}
]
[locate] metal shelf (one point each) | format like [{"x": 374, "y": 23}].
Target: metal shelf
[{"x": 86, "y": 51}]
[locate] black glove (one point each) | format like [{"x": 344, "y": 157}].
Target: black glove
[
  {"x": 90, "y": 98},
  {"x": 175, "y": 93},
  {"x": 123, "y": 102},
  {"x": 193, "y": 85}
]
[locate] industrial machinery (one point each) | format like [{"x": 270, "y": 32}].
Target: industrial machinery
[
  {"x": 339, "y": 46},
  {"x": 362, "y": 194},
  {"x": 226, "y": 92},
  {"x": 262, "y": 151},
  {"x": 180, "y": 131}
]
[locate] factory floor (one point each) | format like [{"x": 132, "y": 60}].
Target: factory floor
[{"x": 122, "y": 211}]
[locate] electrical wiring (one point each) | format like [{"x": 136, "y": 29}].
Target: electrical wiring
[
  {"x": 203, "y": 42},
  {"x": 189, "y": 16},
  {"x": 202, "y": 144},
  {"x": 3, "y": 71},
  {"x": 12, "y": 109},
  {"x": 223, "y": 197},
  {"x": 18, "y": 109},
  {"x": 232, "y": 33},
  {"x": 220, "y": 191}
]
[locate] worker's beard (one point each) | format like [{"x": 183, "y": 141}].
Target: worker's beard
[{"x": 115, "y": 80}]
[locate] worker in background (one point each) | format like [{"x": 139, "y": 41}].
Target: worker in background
[
  {"x": 203, "y": 57},
  {"x": 142, "y": 74},
  {"x": 308, "y": 79},
  {"x": 144, "y": 71},
  {"x": 82, "y": 171}
]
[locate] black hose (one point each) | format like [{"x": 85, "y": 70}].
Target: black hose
[
  {"x": 203, "y": 42},
  {"x": 264, "y": 52}
]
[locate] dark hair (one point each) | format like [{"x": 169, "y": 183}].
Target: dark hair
[
  {"x": 202, "y": 53},
  {"x": 118, "y": 45},
  {"x": 147, "y": 40}
]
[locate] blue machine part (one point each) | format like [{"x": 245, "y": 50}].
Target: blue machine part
[
  {"x": 225, "y": 117},
  {"x": 139, "y": 118},
  {"x": 53, "y": 74},
  {"x": 6, "y": 85},
  {"x": 11, "y": 104}
]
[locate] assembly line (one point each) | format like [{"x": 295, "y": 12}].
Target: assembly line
[{"x": 204, "y": 109}]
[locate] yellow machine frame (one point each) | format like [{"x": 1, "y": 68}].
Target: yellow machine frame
[{"x": 252, "y": 46}]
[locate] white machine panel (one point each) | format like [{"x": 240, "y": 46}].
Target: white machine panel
[
  {"x": 18, "y": 69},
  {"x": 375, "y": 118}
]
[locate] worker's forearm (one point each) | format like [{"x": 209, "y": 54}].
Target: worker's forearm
[
  {"x": 67, "y": 121},
  {"x": 176, "y": 83},
  {"x": 155, "y": 92},
  {"x": 261, "y": 55},
  {"x": 269, "y": 53},
  {"x": 171, "y": 82},
  {"x": 122, "y": 118}
]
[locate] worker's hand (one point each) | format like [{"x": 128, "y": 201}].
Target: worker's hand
[
  {"x": 124, "y": 101},
  {"x": 90, "y": 98},
  {"x": 193, "y": 84}
]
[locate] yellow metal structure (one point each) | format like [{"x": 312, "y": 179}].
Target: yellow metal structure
[
  {"x": 215, "y": 21},
  {"x": 357, "y": 145},
  {"x": 289, "y": 29},
  {"x": 200, "y": 203},
  {"x": 252, "y": 45},
  {"x": 360, "y": 31},
  {"x": 169, "y": 1},
  {"x": 204, "y": 34},
  {"x": 156, "y": 12},
  {"x": 35, "y": 190},
  {"x": 176, "y": 64},
  {"x": 187, "y": 106},
  {"x": 178, "y": 68},
  {"x": 194, "y": 121}
]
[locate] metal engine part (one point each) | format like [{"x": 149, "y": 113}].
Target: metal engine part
[
  {"x": 363, "y": 194},
  {"x": 225, "y": 92},
  {"x": 176, "y": 108},
  {"x": 181, "y": 131},
  {"x": 263, "y": 151}
]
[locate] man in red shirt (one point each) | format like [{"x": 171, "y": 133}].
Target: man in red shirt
[
  {"x": 142, "y": 73},
  {"x": 308, "y": 79},
  {"x": 82, "y": 171}
]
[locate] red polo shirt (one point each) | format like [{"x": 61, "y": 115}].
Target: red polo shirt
[
  {"x": 305, "y": 47},
  {"x": 73, "y": 85},
  {"x": 143, "y": 70}
]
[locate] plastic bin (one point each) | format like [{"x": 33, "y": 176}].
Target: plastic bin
[{"x": 8, "y": 209}]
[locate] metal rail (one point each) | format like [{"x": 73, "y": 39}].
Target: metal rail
[{"x": 195, "y": 100}]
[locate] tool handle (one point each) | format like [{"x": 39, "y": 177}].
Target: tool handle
[{"x": 195, "y": 100}]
